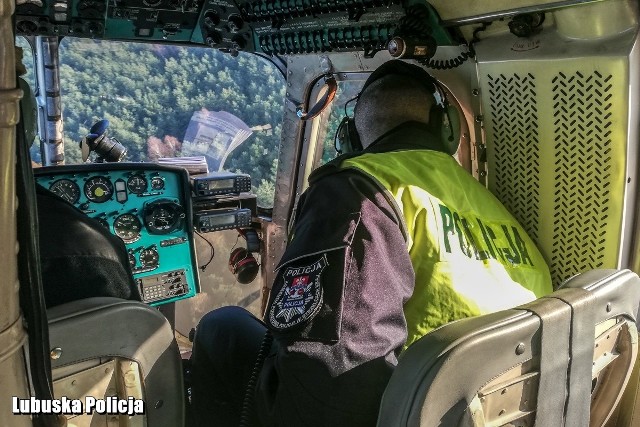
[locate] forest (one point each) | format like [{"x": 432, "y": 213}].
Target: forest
[{"x": 149, "y": 93}]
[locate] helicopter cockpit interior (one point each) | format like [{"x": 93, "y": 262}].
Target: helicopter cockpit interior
[{"x": 544, "y": 101}]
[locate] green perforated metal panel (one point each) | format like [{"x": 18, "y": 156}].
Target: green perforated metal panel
[
  {"x": 558, "y": 151},
  {"x": 583, "y": 174},
  {"x": 516, "y": 146}
]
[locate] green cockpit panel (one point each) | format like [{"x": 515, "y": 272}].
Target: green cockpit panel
[
  {"x": 148, "y": 206},
  {"x": 272, "y": 27}
]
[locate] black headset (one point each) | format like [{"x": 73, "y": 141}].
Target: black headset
[
  {"x": 444, "y": 119},
  {"x": 242, "y": 263}
]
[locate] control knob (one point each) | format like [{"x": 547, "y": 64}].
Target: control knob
[
  {"x": 211, "y": 19},
  {"x": 235, "y": 23}
]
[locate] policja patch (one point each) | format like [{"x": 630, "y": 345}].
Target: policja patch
[{"x": 300, "y": 297}]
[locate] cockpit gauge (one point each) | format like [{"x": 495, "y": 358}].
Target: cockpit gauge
[
  {"x": 137, "y": 184},
  {"x": 149, "y": 258},
  {"x": 66, "y": 189},
  {"x": 98, "y": 189},
  {"x": 127, "y": 227},
  {"x": 157, "y": 183},
  {"x": 163, "y": 216}
]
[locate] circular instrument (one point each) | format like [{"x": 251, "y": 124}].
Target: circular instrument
[
  {"x": 157, "y": 183},
  {"x": 66, "y": 189},
  {"x": 98, "y": 189},
  {"x": 149, "y": 257},
  {"x": 137, "y": 184},
  {"x": 127, "y": 227},
  {"x": 163, "y": 216}
]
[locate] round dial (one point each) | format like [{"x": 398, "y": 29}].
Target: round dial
[
  {"x": 98, "y": 189},
  {"x": 157, "y": 183},
  {"x": 162, "y": 217},
  {"x": 149, "y": 257},
  {"x": 66, "y": 189},
  {"x": 137, "y": 184},
  {"x": 127, "y": 227}
]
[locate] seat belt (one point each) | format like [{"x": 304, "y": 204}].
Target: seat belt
[
  {"x": 581, "y": 354},
  {"x": 555, "y": 319}
]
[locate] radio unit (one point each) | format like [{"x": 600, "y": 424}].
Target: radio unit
[
  {"x": 157, "y": 287},
  {"x": 222, "y": 219},
  {"x": 220, "y": 184}
]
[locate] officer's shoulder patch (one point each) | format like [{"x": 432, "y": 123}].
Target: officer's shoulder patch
[{"x": 300, "y": 297}]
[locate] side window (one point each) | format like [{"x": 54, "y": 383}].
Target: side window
[
  {"x": 171, "y": 101},
  {"x": 27, "y": 61},
  {"x": 30, "y": 77},
  {"x": 343, "y": 103}
]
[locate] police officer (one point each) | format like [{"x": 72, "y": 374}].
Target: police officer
[{"x": 390, "y": 241}]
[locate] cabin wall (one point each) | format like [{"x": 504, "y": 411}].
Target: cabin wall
[{"x": 561, "y": 154}]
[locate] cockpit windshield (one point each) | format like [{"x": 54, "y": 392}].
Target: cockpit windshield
[{"x": 166, "y": 101}]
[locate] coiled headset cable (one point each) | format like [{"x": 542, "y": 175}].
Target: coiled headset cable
[
  {"x": 415, "y": 23},
  {"x": 249, "y": 395}
]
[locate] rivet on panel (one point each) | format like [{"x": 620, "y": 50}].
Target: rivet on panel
[
  {"x": 502, "y": 412},
  {"x": 475, "y": 92},
  {"x": 56, "y": 353},
  {"x": 159, "y": 404},
  {"x": 520, "y": 348},
  {"x": 479, "y": 118}
]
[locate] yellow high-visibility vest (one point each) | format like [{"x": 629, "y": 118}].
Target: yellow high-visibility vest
[{"x": 470, "y": 255}]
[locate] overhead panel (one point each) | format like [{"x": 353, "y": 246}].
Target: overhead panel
[
  {"x": 274, "y": 27},
  {"x": 560, "y": 153}
]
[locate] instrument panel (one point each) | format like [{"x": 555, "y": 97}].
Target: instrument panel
[{"x": 148, "y": 207}]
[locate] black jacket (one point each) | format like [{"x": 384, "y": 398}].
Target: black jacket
[{"x": 79, "y": 257}]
